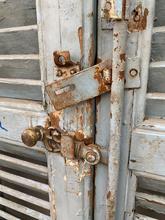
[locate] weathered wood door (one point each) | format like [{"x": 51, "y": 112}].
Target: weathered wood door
[
  {"x": 34, "y": 183},
  {"x": 24, "y": 189},
  {"x": 139, "y": 145},
  {"x": 127, "y": 122},
  {"x": 143, "y": 129}
]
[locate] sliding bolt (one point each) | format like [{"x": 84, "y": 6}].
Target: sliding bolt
[{"x": 133, "y": 72}]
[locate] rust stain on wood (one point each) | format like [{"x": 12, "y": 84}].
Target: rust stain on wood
[
  {"x": 122, "y": 57},
  {"x": 116, "y": 34},
  {"x": 121, "y": 75},
  {"x": 91, "y": 57},
  {"x": 55, "y": 119},
  {"x": 79, "y": 135},
  {"x": 80, "y": 36},
  {"x": 138, "y": 21},
  {"x": 99, "y": 60},
  {"x": 103, "y": 87},
  {"x": 111, "y": 205}
]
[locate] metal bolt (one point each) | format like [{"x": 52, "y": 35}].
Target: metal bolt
[
  {"x": 133, "y": 72},
  {"x": 136, "y": 18},
  {"x": 61, "y": 59},
  {"x": 59, "y": 73},
  {"x": 73, "y": 71},
  {"x": 137, "y": 15},
  {"x": 91, "y": 157},
  {"x": 106, "y": 74},
  {"x": 108, "y": 6}
]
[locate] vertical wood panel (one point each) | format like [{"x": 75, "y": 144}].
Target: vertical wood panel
[
  {"x": 71, "y": 190},
  {"x": 104, "y": 51}
]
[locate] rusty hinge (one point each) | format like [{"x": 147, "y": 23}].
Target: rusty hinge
[
  {"x": 80, "y": 85},
  {"x": 56, "y": 140}
]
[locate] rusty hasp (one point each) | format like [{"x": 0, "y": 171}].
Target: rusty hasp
[
  {"x": 82, "y": 86},
  {"x": 64, "y": 65}
]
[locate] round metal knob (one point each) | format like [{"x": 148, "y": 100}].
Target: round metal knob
[
  {"x": 30, "y": 136},
  {"x": 91, "y": 154}
]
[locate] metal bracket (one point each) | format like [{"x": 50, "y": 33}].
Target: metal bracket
[
  {"x": 132, "y": 73},
  {"x": 65, "y": 67},
  {"x": 81, "y": 86}
]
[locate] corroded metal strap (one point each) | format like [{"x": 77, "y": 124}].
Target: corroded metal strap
[{"x": 82, "y": 86}]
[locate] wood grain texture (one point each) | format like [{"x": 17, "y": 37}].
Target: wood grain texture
[
  {"x": 149, "y": 183},
  {"x": 69, "y": 192},
  {"x": 147, "y": 151},
  {"x": 23, "y": 209},
  {"x": 155, "y": 108},
  {"x": 22, "y": 69},
  {"x": 20, "y": 151},
  {"x": 156, "y": 82},
  {"x": 158, "y": 47},
  {"x": 104, "y": 51},
  {"x": 9, "y": 161},
  {"x": 31, "y": 92},
  {"x": 15, "y": 13},
  {"x": 151, "y": 202},
  {"x": 159, "y": 13},
  {"x": 21, "y": 42},
  {"x": 142, "y": 217}
]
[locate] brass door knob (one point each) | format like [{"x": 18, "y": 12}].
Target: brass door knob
[{"x": 31, "y": 136}]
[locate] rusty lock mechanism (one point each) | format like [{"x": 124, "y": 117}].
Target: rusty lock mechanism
[
  {"x": 75, "y": 85},
  {"x": 58, "y": 141}
]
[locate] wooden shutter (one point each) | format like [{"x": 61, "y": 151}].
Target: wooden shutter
[{"x": 24, "y": 188}]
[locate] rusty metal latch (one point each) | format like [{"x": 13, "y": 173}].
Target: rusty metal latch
[
  {"x": 81, "y": 86},
  {"x": 56, "y": 140}
]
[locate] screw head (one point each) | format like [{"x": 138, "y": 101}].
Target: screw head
[
  {"x": 73, "y": 71},
  {"x": 91, "y": 157},
  {"x": 59, "y": 73},
  {"x": 136, "y": 18},
  {"x": 106, "y": 74},
  {"x": 62, "y": 60},
  {"x": 108, "y": 5},
  {"x": 133, "y": 72}
]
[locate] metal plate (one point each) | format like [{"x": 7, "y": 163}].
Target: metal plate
[
  {"x": 82, "y": 86},
  {"x": 132, "y": 73}
]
